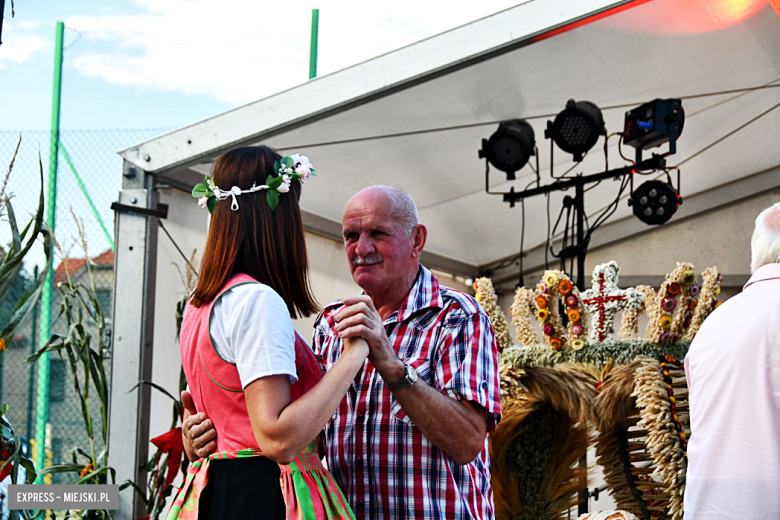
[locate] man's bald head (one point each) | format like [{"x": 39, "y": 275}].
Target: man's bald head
[
  {"x": 384, "y": 240},
  {"x": 765, "y": 244},
  {"x": 402, "y": 205}
]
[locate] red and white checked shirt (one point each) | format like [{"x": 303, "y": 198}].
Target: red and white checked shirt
[{"x": 385, "y": 466}]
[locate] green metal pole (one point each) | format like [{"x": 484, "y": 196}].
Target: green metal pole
[
  {"x": 315, "y": 25},
  {"x": 42, "y": 408},
  {"x": 33, "y": 348},
  {"x": 86, "y": 195}
]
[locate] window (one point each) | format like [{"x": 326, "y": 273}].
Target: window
[{"x": 103, "y": 297}]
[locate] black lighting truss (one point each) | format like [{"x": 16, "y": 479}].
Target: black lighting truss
[{"x": 579, "y": 249}]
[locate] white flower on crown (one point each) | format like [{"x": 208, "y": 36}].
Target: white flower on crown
[
  {"x": 285, "y": 186},
  {"x": 203, "y": 202},
  {"x": 302, "y": 166}
]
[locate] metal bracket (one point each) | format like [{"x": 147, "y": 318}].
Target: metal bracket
[{"x": 160, "y": 212}]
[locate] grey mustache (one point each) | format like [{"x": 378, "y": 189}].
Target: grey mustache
[{"x": 367, "y": 260}]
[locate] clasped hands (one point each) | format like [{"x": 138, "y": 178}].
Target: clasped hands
[{"x": 358, "y": 319}]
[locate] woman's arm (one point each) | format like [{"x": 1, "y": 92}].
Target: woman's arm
[{"x": 283, "y": 428}]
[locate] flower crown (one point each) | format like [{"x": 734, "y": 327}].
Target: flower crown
[{"x": 290, "y": 168}]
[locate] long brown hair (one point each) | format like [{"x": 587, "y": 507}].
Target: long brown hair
[{"x": 268, "y": 245}]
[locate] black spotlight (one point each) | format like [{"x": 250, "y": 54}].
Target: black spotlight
[
  {"x": 654, "y": 202},
  {"x": 654, "y": 124},
  {"x": 577, "y": 128},
  {"x": 510, "y": 147}
]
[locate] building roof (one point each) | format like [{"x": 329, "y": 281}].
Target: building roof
[
  {"x": 71, "y": 266},
  {"x": 415, "y": 117}
]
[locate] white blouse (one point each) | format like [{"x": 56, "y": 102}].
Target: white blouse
[{"x": 252, "y": 329}]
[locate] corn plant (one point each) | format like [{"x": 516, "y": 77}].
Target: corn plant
[{"x": 11, "y": 458}]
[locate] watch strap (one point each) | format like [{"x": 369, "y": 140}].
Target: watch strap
[{"x": 410, "y": 376}]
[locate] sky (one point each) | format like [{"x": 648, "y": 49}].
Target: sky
[
  {"x": 135, "y": 69},
  {"x": 168, "y": 63}
]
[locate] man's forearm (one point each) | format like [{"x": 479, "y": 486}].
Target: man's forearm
[{"x": 456, "y": 427}]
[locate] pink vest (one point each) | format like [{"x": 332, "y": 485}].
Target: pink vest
[{"x": 214, "y": 383}]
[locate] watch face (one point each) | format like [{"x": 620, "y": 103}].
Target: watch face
[{"x": 411, "y": 374}]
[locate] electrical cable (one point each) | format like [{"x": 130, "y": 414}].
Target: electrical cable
[
  {"x": 610, "y": 209},
  {"x": 547, "y": 243},
  {"x": 490, "y": 123},
  {"x": 620, "y": 149},
  {"x": 570, "y": 169},
  {"x": 195, "y": 271},
  {"x": 593, "y": 186},
  {"x": 565, "y": 229},
  {"x": 759, "y": 116}
]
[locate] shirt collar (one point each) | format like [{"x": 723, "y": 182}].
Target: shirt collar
[
  {"x": 424, "y": 294},
  {"x": 765, "y": 272}
]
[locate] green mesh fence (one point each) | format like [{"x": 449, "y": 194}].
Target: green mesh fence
[{"x": 92, "y": 154}]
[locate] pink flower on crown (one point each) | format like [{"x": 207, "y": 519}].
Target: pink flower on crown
[
  {"x": 302, "y": 166},
  {"x": 203, "y": 202},
  {"x": 285, "y": 186}
]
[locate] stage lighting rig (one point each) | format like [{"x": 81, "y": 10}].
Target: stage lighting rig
[
  {"x": 654, "y": 202},
  {"x": 510, "y": 147},
  {"x": 577, "y": 128},
  {"x": 654, "y": 124}
]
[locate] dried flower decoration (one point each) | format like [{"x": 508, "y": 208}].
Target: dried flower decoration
[
  {"x": 605, "y": 299},
  {"x": 486, "y": 296},
  {"x": 521, "y": 316}
]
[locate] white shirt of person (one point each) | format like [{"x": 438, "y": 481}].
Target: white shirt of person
[
  {"x": 733, "y": 372},
  {"x": 252, "y": 329}
]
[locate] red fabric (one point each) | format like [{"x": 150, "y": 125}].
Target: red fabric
[
  {"x": 208, "y": 376},
  {"x": 172, "y": 443},
  {"x": 6, "y": 470}
]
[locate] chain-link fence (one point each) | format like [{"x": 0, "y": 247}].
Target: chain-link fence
[{"x": 89, "y": 179}]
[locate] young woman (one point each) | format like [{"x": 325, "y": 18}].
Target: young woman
[{"x": 255, "y": 378}]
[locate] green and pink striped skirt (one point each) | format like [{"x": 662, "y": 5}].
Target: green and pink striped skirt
[{"x": 309, "y": 491}]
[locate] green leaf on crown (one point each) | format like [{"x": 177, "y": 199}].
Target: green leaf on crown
[
  {"x": 200, "y": 190},
  {"x": 211, "y": 203},
  {"x": 272, "y": 198},
  {"x": 288, "y": 161},
  {"x": 276, "y": 166},
  {"x": 274, "y": 182}
]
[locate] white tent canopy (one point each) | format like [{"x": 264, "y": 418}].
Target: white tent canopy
[
  {"x": 414, "y": 118},
  {"x": 525, "y": 62}
]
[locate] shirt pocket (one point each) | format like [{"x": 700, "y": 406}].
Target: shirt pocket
[{"x": 423, "y": 368}]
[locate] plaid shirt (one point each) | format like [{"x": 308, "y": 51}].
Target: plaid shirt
[{"x": 384, "y": 465}]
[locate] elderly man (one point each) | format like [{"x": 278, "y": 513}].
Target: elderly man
[
  {"x": 733, "y": 371},
  {"x": 409, "y": 440}
]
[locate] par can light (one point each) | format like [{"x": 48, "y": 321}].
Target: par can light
[
  {"x": 510, "y": 147},
  {"x": 577, "y": 128},
  {"x": 654, "y": 124},
  {"x": 654, "y": 202}
]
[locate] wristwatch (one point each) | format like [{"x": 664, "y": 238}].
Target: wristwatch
[{"x": 410, "y": 376}]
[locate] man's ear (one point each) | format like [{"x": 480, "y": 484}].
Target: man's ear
[{"x": 419, "y": 236}]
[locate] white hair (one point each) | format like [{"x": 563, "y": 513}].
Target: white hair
[
  {"x": 765, "y": 244},
  {"x": 409, "y": 217}
]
